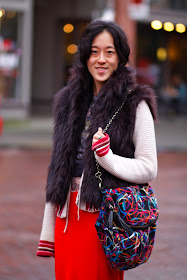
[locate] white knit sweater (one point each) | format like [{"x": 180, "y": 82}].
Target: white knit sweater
[
  {"x": 140, "y": 169},
  {"x": 143, "y": 167}
]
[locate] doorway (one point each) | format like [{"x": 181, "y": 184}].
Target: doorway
[{"x": 67, "y": 37}]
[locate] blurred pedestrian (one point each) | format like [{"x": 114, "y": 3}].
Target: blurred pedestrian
[
  {"x": 174, "y": 95},
  {"x": 96, "y": 88},
  {"x": 179, "y": 85}
]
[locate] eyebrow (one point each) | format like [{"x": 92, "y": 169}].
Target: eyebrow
[{"x": 108, "y": 47}]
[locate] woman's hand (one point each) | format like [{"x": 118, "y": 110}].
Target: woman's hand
[
  {"x": 101, "y": 143},
  {"x": 98, "y": 135}
]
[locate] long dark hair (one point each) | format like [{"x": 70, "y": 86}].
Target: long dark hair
[{"x": 97, "y": 27}]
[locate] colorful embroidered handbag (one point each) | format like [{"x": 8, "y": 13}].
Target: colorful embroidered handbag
[{"x": 126, "y": 224}]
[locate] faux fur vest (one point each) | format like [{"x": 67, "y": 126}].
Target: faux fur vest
[{"x": 70, "y": 108}]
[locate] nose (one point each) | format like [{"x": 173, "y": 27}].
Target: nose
[{"x": 101, "y": 58}]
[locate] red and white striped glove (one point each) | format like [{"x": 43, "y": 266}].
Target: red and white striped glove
[{"x": 102, "y": 146}]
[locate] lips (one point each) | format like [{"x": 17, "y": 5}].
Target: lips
[{"x": 101, "y": 69}]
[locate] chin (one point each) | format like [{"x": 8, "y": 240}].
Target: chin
[{"x": 104, "y": 79}]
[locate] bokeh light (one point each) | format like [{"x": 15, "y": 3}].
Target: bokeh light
[
  {"x": 181, "y": 28},
  {"x": 156, "y": 24},
  {"x": 72, "y": 48},
  {"x": 2, "y": 12},
  {"x": 11, "y": 14},
  {"x": 168, "y": 26},
  {"x": 161, "y": 54},
  {"x": 68, "y": 28}
]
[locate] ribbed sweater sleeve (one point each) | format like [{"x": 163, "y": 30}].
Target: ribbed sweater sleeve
[
  {"x": 46, "y": 243},
  {"x": 143, "y": 167}
]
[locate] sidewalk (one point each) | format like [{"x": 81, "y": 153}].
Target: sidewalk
[
  {"x": 22, "y": 198},
  {"x": 30, "y": 133},
  {"x": 171, "y": 134}
]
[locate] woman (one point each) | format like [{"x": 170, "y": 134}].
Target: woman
[{"x": 127, "y": 154}]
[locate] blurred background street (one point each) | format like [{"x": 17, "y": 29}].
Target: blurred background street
[{"x": 38, "y": 45}]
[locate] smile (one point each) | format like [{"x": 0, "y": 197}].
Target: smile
[{"x": 101, "y": 68}]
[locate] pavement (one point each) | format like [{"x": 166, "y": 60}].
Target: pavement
[
  {"x": 28, "y": 133},
  {"x": 22, "y": 198},
  {"x": 171, "y": 133}
]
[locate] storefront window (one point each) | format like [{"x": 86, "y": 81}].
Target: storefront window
[
  {"x": 159, "y": 54},
  {"x": 161, "y": 63},
  {"x": 10, "y": 55}
]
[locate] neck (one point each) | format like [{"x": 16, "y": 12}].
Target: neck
[{"x": 97, "y": 87}]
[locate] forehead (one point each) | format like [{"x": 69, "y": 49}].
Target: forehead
[{"x": 104, "y": 39}]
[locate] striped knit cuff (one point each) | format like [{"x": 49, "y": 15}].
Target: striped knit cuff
[
  {"x": 102, "y": 146},
  {"x": 45, "y": 249}
]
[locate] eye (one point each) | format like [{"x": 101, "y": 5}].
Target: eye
[
  {"x": 93, "y": 51},
  {"x": 110, "y": 51}
]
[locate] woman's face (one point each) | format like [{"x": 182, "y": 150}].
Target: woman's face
[{"x": 103, "y": 60}]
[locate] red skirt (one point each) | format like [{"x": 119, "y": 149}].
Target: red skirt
[{"x": 78, "y": 252}]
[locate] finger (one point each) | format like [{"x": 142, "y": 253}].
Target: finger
[
  {"x": 94, "y": 141},
  {"x": 100, "y": 133},
  {"x": 96, "y": 135}
]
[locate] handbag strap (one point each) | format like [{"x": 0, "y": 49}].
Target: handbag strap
[{"x": 98, "y": 174}]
